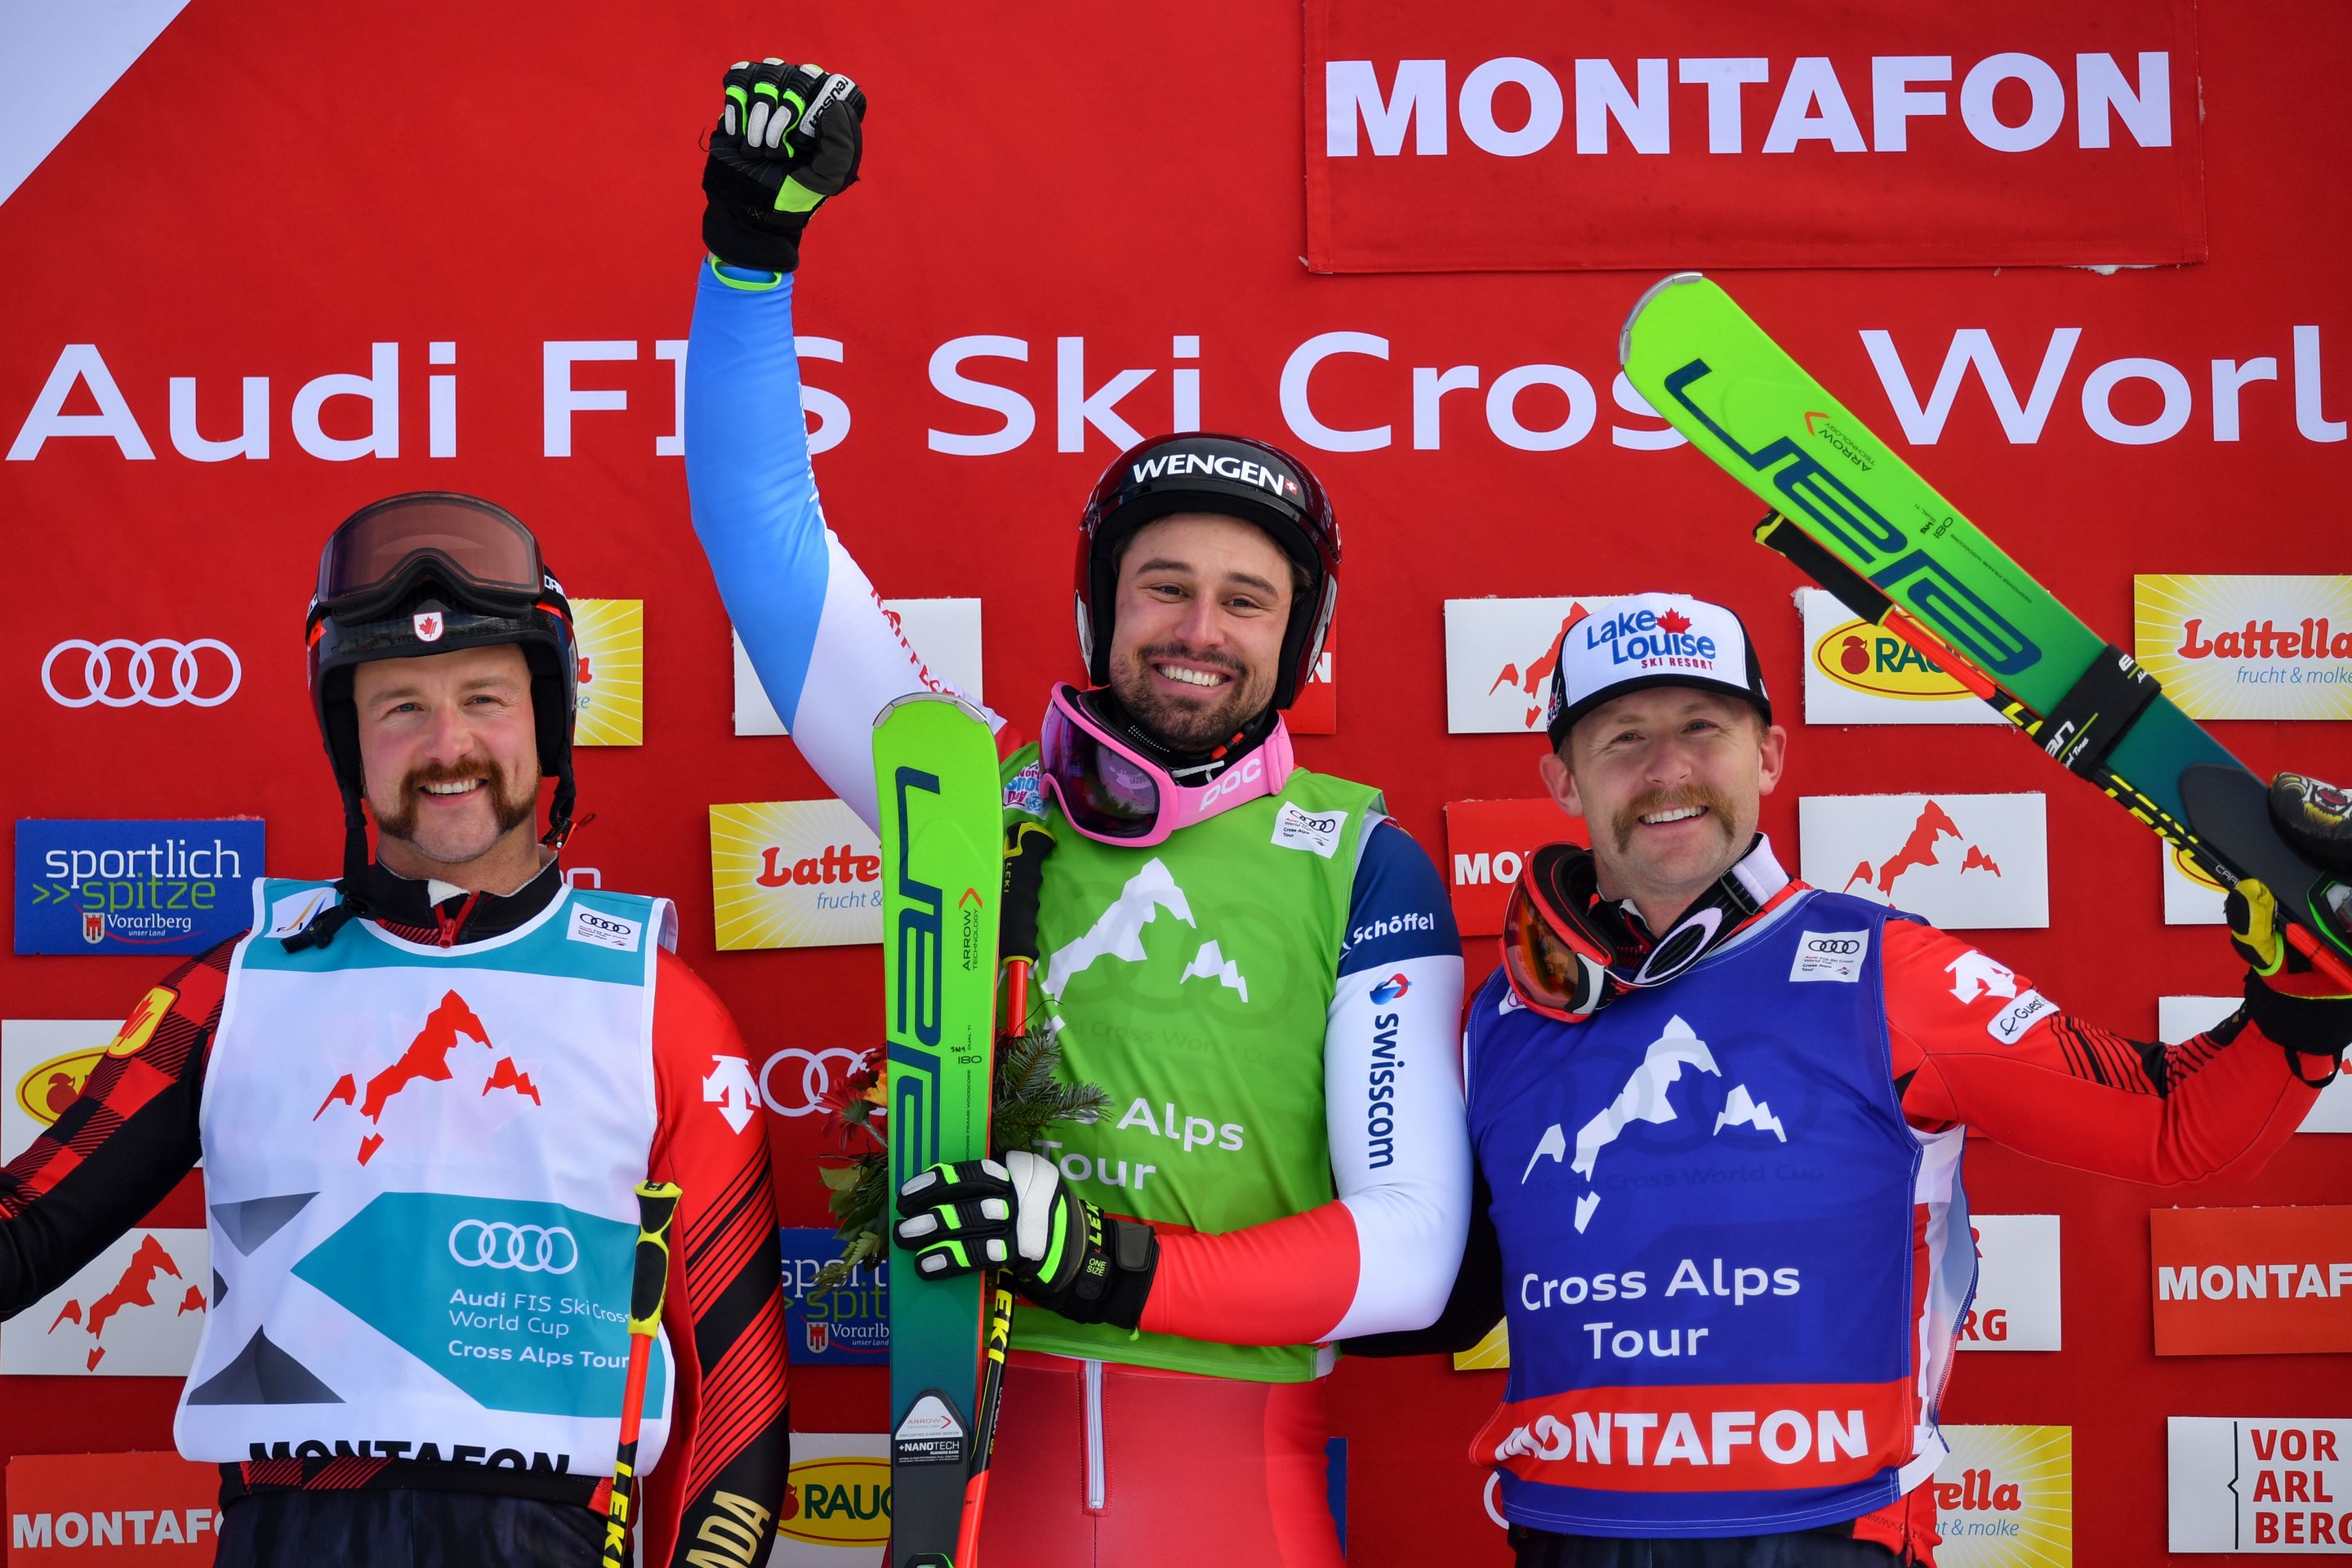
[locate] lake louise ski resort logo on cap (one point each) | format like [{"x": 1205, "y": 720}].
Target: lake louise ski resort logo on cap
[{"x": 1627, "y": 644}]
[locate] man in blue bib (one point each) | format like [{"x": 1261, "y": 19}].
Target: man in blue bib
[{"x": 1718, "y": 1118}]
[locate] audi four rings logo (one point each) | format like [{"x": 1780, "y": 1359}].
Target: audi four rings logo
[
  {"x": 120, "y": 673},
  {"x": 816, "y": 1076},
  {"x": 532, "y": 1249},
  {"x": 1843, "y": 945}
]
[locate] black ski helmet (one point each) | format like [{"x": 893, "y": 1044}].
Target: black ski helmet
[
  {"x": 432, "y": 572},
  {"x": 1229, "y": 475}
]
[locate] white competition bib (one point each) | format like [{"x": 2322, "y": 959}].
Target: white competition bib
[{"x": 420, "y": 1173}]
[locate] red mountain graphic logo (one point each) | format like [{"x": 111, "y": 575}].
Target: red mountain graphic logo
[
  {"x": 1922, "y": 848},
  {"x": 1536, "y": 673},
  {"x": 135, "y": 1288},
  {"x": 427, "y": 1061}
]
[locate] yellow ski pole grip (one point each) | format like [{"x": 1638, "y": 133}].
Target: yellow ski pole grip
[{"x": 656, "y": 1207}]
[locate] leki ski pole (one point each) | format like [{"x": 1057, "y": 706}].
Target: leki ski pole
[
  {"x": 656, "y": 1207},
  {"x": 1026, "y": 848}
]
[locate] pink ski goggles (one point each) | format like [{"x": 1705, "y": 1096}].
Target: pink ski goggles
[{"x": 1111, "y": 794}]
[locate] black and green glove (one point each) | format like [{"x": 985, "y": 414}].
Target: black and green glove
[
  {"x": 1019, "y": 1215},
  {"x": 2288, "y": 998},
  {"x": 788, "y": 137}
]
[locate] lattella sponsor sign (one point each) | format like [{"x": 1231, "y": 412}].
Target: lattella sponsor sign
[
  {"x": 795, "y": 873},
  {"x": 1961, "y": 862},
  {"x": 2248, "y": 647},
  {"x": 2005, "y": 1498},
  {"x": 2247, "y": 1484}
]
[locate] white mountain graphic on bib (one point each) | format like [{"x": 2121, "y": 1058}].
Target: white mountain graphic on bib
[
  {"x": 1644, "y": 1098},
  {"x": 1117, "y": 934}
]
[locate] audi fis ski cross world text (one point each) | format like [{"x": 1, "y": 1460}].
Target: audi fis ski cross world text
[
  {"x": 1241, "y": 470},
  {"x": 1880, "y": 549}
]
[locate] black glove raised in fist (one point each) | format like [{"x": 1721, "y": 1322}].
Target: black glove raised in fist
[{"x": 789, "y": 137}]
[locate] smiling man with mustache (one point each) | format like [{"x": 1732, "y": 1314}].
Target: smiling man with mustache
[
  {"x": 436, "y": 1081},
  {"x": 1719, "y": 1118}
]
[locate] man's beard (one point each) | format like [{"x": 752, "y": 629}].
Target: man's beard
[
  {"x": 511, "y": 811},
  {"x": 1176, "y": 724},
  {"x": 1628, "y": 820}
]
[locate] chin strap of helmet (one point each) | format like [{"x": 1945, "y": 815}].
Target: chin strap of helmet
[{"x": 559, "y": 810}]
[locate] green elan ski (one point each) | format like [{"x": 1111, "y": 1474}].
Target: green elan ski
[
  {"x": 943, "y": 834},
  {"x": 1855, "y": 518}
]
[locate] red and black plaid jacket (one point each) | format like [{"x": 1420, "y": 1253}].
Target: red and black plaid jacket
[{"x": 118, "y": 1149}]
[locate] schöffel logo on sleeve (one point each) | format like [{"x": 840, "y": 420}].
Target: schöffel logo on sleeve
[
  {"x": 1391, "y": 925},
  {"x": 145, "y": 886}
]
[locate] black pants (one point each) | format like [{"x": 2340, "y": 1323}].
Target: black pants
[
  {"x": 1832, "y": 1547},
  {"x": 405, "y": 1528}
]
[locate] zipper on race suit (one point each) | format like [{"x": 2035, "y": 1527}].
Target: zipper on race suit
[
  {"x": 452, "y": 924},
  {"x": 1097, "y": 1483}
]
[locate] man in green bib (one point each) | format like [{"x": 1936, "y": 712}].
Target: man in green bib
[{"x": 1257, "y": 965}]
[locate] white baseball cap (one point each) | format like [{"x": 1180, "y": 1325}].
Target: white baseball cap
[{"x": 1643, "y": 640}]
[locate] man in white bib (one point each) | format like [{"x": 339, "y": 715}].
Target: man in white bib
[{"x": 424, "y": 1094}]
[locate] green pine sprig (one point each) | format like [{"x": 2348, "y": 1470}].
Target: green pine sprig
[{"x": 1030, "y": 1100}]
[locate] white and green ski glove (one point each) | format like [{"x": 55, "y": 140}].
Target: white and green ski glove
[
  {"x": 1066, "y": 1254},
  {"x": 788, "y": 137}
]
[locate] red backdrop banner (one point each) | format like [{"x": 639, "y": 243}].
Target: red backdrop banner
[{"x": 1491, "y": 135}]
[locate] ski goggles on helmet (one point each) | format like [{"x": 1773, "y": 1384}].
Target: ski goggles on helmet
[
  {"x": 1113, "y": 794},
  {"x": 480, "y": 553}
]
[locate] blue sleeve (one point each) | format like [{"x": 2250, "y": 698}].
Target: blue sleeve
[
  {"x": 748, "y": 473},
  {"x": 1399, "y": 909},
  {"x": 827, "y": 654}
]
